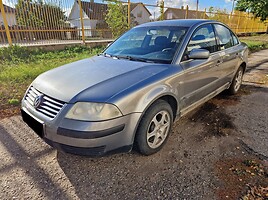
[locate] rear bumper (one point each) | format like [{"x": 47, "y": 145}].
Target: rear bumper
[{"x": 84, "y": 138}]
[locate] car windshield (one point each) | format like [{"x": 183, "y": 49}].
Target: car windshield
[{"x": 148, "y": 44}]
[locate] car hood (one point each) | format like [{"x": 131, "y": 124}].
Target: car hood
[{"x": 94, "y": 79}]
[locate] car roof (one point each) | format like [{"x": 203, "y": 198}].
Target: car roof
[{"x": 176, "y": 22}]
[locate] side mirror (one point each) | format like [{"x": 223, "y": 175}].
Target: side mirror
[{"x": 199, "y": 54}]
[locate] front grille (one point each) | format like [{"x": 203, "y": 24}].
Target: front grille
[{"x": 48, "y": 106}]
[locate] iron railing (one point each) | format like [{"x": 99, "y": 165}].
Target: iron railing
[{"x": 27, "y": 22}]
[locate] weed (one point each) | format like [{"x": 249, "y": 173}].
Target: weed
[{"x": 13, "y": 102}]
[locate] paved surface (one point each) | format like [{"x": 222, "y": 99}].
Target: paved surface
[
  {"x": 223, "y": 128},
  {"x": 257, "y": 72}
]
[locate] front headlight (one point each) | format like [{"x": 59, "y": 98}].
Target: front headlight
[{"x": 93, "y": 111}]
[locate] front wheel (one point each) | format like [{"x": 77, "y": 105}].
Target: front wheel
[
  {"x": 237, "y": 81},
  {"x": 154, "y": 128}
]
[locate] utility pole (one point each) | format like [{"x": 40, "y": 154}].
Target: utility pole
[
  {"x": 128, "y": 13},
  {"x": 233, "y": 6},
  {"x": 197, "y": 2}
]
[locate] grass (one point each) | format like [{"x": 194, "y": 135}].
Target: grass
[
  {"x": 256, "y": 42},
  {"x": 19, "y": 66}
]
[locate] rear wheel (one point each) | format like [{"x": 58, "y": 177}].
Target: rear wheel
[
  {"x": 154, "y": 128},
  {"x": 237, "y": 81}
]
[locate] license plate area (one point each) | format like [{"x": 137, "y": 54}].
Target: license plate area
[{"x": 37, "y": 127}]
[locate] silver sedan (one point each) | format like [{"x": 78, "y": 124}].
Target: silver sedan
[{"x": 134, "y": 91}]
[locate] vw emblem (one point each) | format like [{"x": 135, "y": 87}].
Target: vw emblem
[{"x": 37, "y": 101}]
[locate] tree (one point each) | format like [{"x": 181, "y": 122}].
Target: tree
[
  {"x": 218, "y": 14},
  {"x": 116, "y": 17},
  {"x": 258, "y": 7},
  {"x": 160, "y": 3},
  {"x": 38, "y": 14}
]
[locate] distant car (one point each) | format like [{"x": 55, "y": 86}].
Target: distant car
[{"x": 133, "y": 91}]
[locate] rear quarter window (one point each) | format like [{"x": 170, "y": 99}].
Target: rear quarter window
[{"x": 235, "y": 40}]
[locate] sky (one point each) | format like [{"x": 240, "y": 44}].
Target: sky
[
  {"x": 222, "y": 4},
  {"x": 192, "y": 3}
]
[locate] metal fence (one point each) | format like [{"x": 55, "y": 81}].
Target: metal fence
[{"x": 29, "y": 22}]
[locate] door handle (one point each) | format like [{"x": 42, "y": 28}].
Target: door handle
[{"x": 218, "y": 63}]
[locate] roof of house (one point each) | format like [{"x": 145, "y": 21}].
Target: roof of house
[
  {"x": 98, "y": 10},
  {"x": 94, "y": 10},
  {"x": 134, "y": 5},
  {"x": 8, "y": 9},
  {"x": 180, "y": 13}
]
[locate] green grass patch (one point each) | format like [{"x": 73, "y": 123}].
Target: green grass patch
[
  {"x": 256, "y": 42},
  {"x": 19, "y": 66},
  {"x": 256, "y": 45}
]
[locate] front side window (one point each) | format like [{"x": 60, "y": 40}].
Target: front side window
[
  {"x": 224, "y": 36},
  {"x": 152, "y": 44},
  {"x": 203, "y": 38}
]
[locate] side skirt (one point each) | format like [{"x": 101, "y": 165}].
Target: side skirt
[{"x": 205, "y": 99}]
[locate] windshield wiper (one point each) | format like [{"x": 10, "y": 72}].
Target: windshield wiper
[
  {"x": 133, "y": 58},
  {"x": 105, "y": 55}
]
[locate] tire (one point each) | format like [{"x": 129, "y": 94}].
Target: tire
[
  {"x": 237, "y": 81},
  {"x": 154, "y": 128}
]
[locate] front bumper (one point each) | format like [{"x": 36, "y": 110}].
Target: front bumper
[{"x": 81, "y": 137}]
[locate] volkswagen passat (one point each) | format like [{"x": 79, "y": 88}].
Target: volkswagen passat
[{"x": 133, "y": 91}]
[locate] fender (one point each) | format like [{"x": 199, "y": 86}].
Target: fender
[
  {"x": 149, "y": 98},
  {"x": 154, "y": 94}
]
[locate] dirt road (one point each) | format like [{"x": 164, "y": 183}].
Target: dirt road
[{"x": 208, "y": 156}]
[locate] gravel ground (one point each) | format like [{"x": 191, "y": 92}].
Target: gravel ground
[{"x": 223, "y": 129}]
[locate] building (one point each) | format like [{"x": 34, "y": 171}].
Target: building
[
  {"x": 94, "y": 14},
  {"x": 140, "y": 13},
  {"x": 10, "y": 15},
  {"x": 177, "y": 13}
]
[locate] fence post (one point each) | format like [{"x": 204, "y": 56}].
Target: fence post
[
  {"x": 239, "y": 15},
  {"x": 246, "y": 23},
  {"x": 204, "y": 16},
  {"x": 82, "y": 21},
  {"x": 5, "y": 23},
  {"x": 253, "y": 23},
  {"x": 186, "y": 12},
  {"x": 258, "y": 28},
  {"x": 230, "y": 19}
]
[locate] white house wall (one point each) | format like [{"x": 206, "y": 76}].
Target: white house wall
[
  {"x": 75, "y": 12},
  {"x": 145, "y": 15},
  {"x": 74, "y": 19},
  {"x": 88, "y": 25},
  {"x": 11, "y": 19}
]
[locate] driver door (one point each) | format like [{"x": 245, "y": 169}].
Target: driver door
[{"x": 200, "y": 75}]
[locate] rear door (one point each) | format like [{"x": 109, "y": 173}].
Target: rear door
[
  {"x": 200, "y": 75},
  {"x": 229, "y": 50}
]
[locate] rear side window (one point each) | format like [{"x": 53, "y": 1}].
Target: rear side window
[
  {"x": 203, "y": 38},
  {"x": 235, "y": 40},
  {"x": 224, "y": 36}
]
